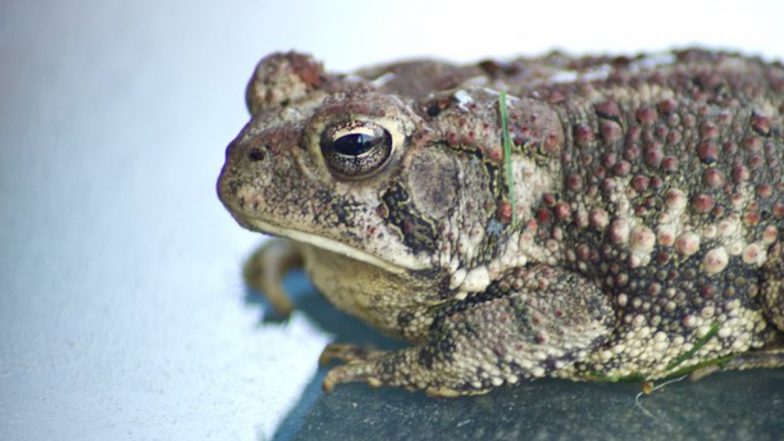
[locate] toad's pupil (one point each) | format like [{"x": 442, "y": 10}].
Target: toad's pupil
[{"x": 355, "y": 144}]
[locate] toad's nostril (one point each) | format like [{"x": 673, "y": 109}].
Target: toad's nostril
[{"x": 255, "y": 154}]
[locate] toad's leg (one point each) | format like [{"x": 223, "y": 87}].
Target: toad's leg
[
  {"x": 530, "y": 323},
  {"x": 772, "y": 358},
  {"x": 772, "y": 296},
  {"x": 773, "y": 286},
  {"x": 266, "y": 268}
]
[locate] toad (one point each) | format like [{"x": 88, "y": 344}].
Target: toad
[{"x": 591, "y": 218}]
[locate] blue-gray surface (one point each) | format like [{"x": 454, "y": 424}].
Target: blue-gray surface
[
  {"x": 122, "y": 311},
  {"x": 729, "y": 406}
]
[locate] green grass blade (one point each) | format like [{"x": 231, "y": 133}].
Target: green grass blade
[
  {"x": 507, "y": 146},
  {"x": 714, "y": 329}
]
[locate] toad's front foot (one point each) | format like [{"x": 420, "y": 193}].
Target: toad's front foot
[
  {"x": 266, "y": 268},
  {"x": 347, "y": 353},
  {"x": 378, "y": 368},
  {"x": 359, "y": 365},
  {"x": 496, "y": 337}
]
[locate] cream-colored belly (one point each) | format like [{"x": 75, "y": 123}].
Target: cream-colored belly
[{"x": 368, "y": 292}]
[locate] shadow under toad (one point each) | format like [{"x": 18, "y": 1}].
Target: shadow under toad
[{"x": 735, "y": 405}]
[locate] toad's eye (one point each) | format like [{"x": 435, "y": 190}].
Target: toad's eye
[{"x": 356, "y": 149}]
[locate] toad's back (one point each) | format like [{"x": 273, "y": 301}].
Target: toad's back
[{"x": 672, "y": 199}]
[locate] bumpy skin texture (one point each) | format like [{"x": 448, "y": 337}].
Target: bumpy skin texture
[{"x": 640, "y": 237}]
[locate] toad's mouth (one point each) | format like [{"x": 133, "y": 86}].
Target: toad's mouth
[{"x": 397, "y": 263}]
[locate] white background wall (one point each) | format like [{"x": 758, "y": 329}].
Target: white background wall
[{"x": 121, "y": 311}]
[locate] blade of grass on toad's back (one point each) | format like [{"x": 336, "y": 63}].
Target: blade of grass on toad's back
[{"x": 507, "y": 145}]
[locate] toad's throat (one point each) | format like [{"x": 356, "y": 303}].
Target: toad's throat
[{"x": 399, "y": 265}]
